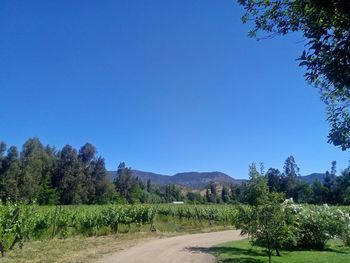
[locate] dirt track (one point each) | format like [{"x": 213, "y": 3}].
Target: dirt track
[{"x": 180, "y": 249}]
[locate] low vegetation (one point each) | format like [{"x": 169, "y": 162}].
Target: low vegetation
[
  {"x": 243, "y": 251},
  {"x": 21, "y": 223}
]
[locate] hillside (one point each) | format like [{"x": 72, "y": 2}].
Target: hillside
[
  {"x": 311, "y": 178},
  {"x": 198, "y": 180},
  {"x": 193, "y": 180}
]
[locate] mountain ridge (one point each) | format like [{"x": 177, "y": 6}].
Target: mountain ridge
[
  {"x": 186, "y": 179},
  {"x": 198, "y": 180}
]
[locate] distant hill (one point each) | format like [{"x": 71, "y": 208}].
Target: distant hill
[
  {"x": 195, "y": 180},
  {"x": 311, "y": 178},
  {"x": 199, "y": 180}
]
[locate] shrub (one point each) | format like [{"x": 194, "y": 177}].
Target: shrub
[
  {"x": 315, "y": 225},
  {"x": 268, "y": 224}
]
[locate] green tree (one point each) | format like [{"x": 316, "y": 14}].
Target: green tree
[
  {"x": 68, "y": 178},
  {"x": 342, "y": 188},
  {"x": 2, "y": 153},
  {"x": 290, "y": 178},
  {"x": 102, "y": 184},
  {"x": 194, "y": 197},
  {"x": 233, "y": 192},
  {"x": 325, "y": 26},
  {"x": 34, "y": 161},
  {"x": 47, "y": 194},
  {"x": 211, "y": 193},
  {"x": 87, "y": 157},
  {"x": 11, "y": 171},
  {"x": 136, "y": 192},
  {"x": 320, "y": 193},
  {"x": 329, "y": 184},
  {"x": 304, "y": 192},
  {"x": 124, "y": 182},
  {"x": 257, "y": 188},
  {"x": 225, "y": 195},
  {"x": 334, "y": 168},
  {"x": 267, "y": 224},
  {"x": 149, "y": 185},
  {"x": 273, "y": 177}
]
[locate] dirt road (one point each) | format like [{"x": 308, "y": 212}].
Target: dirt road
[{"x": 180, "y": 249}]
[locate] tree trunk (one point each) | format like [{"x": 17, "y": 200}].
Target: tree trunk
[{"x": 277, "y": 252}]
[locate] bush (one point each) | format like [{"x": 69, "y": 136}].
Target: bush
[
  {"x": 315, "y": 225},
  {"x": 268, "y": 224}
]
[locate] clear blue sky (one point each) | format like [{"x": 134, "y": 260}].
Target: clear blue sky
[{"x": 166, "y": 86}]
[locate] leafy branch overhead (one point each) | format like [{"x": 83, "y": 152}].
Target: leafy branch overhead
[{"x": 325, "y": 24}]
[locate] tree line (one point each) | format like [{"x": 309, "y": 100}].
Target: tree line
[
  {"x": 45, "y": 175},
  {"x": 332, "y": 190}
]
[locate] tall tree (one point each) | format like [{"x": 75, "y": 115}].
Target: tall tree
[
  {"x": 325, "y": 26},
  {"x": 2, "y": 153},
  {"x": 233, "y": 194},
  {"x": 48, "y": 194},
  {"x": 149, "y": 185},
  {"x": 343, "y": 187},
  {"x": 225, "y": 195},
  {"x": 320, "y": 193},
  {"x": 257, "y": 189},
  {"x": 329, "y": 184},
  {"x": 273, "y": 177},
  {"x": 124, "y": 182},
  {"x": 334, "y": 168},
  {"x": 103, "y": 187},
  {"x": 69, "y": 176},
  {"x": 212, "y": 193},
  {"x": 290, "y": 178},
  {"x": 87, "y": 157},
  {"x": 11, "y": 170},
  {"x": 33, "y": 160}
]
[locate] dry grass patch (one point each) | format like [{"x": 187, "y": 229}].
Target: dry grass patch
[{"x": 76, "y": 249}]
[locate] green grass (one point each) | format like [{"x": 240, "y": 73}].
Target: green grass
[{"x": 243, "y": 252}]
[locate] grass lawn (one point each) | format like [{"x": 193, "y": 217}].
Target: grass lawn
[{"x": 242, "y": 252}]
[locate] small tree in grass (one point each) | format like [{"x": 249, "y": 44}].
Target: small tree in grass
[{"x": 267, "y": 224}]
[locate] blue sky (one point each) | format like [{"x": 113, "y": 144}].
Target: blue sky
[{"x": 166, "y": 86}]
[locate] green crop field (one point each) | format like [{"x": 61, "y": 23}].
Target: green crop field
[{"x": 21, "y": 223}]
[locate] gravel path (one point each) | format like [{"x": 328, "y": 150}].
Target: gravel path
[{"x": 180, "y": 249}]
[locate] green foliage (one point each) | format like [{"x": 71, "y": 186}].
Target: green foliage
[
  {"x": 268, "y": 224},
  {"x": 273, "y": 177},
  {"x": 315, "y": 225},
  {"x": 44, "y": 175},
  {"x": 19, "y": 223},
  {"x": 16, "y": 225},
  {"x": 9, "y": 177},
  {"x": 290, "y": 178},
  {"x": 257, "y": 188},
  {"x": 325, "y": 25}
]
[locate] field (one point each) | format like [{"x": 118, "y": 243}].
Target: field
[
  {"x": 87, "y": 232},
  {"x": 36, "y": 222}
]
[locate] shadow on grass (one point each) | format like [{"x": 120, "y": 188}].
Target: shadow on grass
[
  {"x": 242, "y": 254},
  {"x": 326, "y": 249},
  {"x": 237, "y": 251},
  {"x": 241, "y": 260}
]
